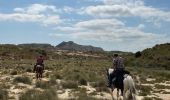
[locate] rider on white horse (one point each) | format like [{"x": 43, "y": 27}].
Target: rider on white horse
[{"x": 118, "y": 67}]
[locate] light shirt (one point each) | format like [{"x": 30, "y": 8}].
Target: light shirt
[{"x": 118, "y": 62}]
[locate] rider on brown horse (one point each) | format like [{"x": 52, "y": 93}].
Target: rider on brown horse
[{"x": 40, "y": 62}]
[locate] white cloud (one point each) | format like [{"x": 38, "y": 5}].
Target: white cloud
[
  {"x": 34, "y": 13},
  {"x": 99, "y": 24},
  {"x": 106, "y": 30},
  {"x": 127, "y": 8},
  {"x": 124, "y": 2},
  {"x": 115, "y": 32},
  {"x": 36, "y": 9}
]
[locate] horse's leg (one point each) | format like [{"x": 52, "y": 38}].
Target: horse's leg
[
  {"x": 37, "y": 76},
  {"x": 111, "y": 92},
  {"x": 117, "y": 93}
]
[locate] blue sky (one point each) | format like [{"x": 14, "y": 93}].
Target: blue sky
[{"x": 126, "y": 25}]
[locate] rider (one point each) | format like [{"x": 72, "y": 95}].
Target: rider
[
  {"x": 40, "y": 61},
  {"x": 118, "y": 67}
]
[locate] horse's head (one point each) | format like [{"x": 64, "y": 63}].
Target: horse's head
[{"x": 109, "y": 71}]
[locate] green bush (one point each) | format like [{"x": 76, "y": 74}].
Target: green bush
[
  {"x": 43, "y": 85},
  {"x": 98, "y": 84},
  {"x": 53, "y": 81},
  {"x": 70, "y": 84},
  {"x": 37, "y": 95},
  {"x": 3, "y": 94},
  {"x": 29, "y": 70},
  {"x": 14, "y": 72},
  {"x": 144, "y": 90},
  {"x": 138, "y": 54},
  {"x": 82, "y": 82},
  {"x": 20, "y": 79}
]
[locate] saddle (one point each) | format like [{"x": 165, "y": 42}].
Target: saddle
[{"x": 38, "y": 66}]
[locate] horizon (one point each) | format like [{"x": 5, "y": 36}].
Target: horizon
[
  {"x": 84, "y": 45},
  {"x": 119, "y": 25}
]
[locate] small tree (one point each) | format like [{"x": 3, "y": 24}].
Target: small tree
[{"x": 138, "y": 54}]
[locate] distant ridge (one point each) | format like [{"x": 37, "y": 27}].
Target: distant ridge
[
  {"x": 71, "y": 46},
  {"x": 37, "y": 45}
]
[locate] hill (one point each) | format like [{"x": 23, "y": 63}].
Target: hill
[
  {"x": 37, "y": 45},
  {"x": 71, "y": 46},
  {"x": 156, "y": 57}
]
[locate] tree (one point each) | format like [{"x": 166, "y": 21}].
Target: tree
[{"x": 138, "y": 54}]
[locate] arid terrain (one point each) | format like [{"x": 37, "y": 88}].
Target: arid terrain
[{"x": 79, "y": 75}]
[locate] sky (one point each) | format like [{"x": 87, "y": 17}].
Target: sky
[{"x": 124, "y": 25}]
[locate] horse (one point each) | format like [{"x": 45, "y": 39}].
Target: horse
[
  {"x": 127, "y": 86},
  {"x": 39, "y": 71}
]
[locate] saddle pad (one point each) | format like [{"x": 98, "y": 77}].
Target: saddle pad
[{"x": 39, "y": 66}]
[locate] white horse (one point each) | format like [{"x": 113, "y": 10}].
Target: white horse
[{"x": 129, "y": 90}]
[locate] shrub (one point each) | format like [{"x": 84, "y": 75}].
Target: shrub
[
  {"x": 147, "y": 98},
  {"x": 82, "y": 82},
  {"x": 14, "y": 72},
  {"x": 53, "y": 81},
  {"x": 37, "y": 95},
  {"x": 138, "y": 54},
  {"x": 3, "y": 95},
  {"x": 28, "y": 70},
  {"x": 98, "y": 84},
  {"x": 145, "y": 90},
  {"x": 25, "y": 80},
  {"x": 43, "y": 85},
  {"x": 70, "y": 84}
]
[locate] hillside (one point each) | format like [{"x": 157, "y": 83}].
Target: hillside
[
  {"x": 37, "y": 45},
  {"x": 70, "y": 45},
  {"x": 155, "y": 57}
]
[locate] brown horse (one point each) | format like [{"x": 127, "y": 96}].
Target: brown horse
[{"x": 39, "y": 71}]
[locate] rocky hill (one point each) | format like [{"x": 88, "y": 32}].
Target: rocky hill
[
  {"x": 157, "y": 56},
  {"x": 70, "y": 45}
]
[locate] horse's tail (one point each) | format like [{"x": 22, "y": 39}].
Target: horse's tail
[
  {"x": 132, "y": 85},
  {"x": 132, "y": 88}
]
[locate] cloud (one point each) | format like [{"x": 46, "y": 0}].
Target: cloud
[
  {"x": 124, "y": 2},
  {"x": 113, "y": 32},
  {"x": 36, "y": 9},
  {"x": 106, "y": 30},
  {"x": 127, "y": 8},
  {"x": 34, "y": 13},
  {"x": 99, "y": 24}
]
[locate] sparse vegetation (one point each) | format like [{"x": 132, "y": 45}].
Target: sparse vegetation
[
  {"x": 76, "y": 70},
  {"x": 3, "y": 94},
  {"x": 38, "y": 95},
  {"x": 70, "y": 85},
  {"x": 22, "y": 79},
  {"x": 14, "y": 72},
  {"x": 42, "y": 84}
]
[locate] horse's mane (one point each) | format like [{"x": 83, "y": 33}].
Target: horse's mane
[{"x": 110, "y": 70}]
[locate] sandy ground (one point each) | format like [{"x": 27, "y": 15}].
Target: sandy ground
[{"x": 16, "y": 89}]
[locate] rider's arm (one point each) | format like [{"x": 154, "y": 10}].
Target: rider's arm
[{"x": 113, "y": 64}]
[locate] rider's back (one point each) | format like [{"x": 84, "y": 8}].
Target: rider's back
[
  {"x": 118, "y": 62},
  {"x": 40, "y": 60}
]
